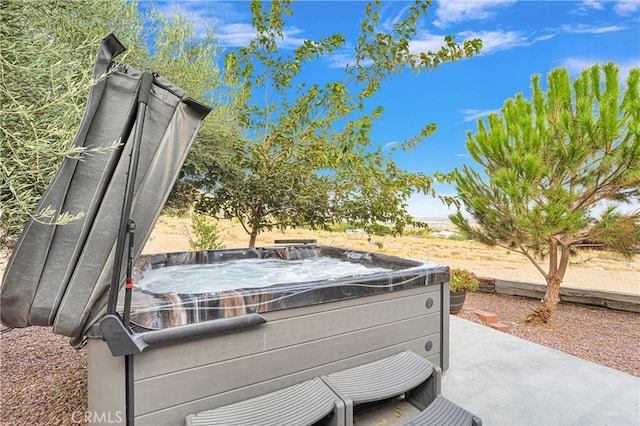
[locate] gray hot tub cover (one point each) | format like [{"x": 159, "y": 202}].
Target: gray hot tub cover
[{"x": 59, "y": 275}]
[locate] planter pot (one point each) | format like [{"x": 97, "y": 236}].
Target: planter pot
[{"x": 456, "y": 300}]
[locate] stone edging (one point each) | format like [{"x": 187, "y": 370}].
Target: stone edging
[{"x": 607, "y": 299}]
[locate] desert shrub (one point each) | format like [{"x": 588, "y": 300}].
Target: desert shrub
[
  {"x": 338, "y": 227},
  {"x": 422, "y": 231},
  {"x": 378, "y": 229},
  {"x": 206, "y": 235},
  {"x": 458, "y": 237}
]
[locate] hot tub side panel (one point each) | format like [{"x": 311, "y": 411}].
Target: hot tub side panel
[{"x": 294, "y": 345}]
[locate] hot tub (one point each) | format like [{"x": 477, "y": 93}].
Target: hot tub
[
  {"x": 200, "y": 343},
  {"x": 380, "y": 305}
]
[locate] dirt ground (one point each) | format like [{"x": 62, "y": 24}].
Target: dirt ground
[{"x": 588, "y": 269}]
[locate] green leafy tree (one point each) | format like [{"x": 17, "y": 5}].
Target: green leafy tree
[
  {"x": 48, "y": 49},
  {"x": 549, "y": 164},
  {"x": 305, "y": 156}
]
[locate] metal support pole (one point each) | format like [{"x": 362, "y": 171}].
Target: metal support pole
[
  {"x": 443, "y": 311},
  {"x": 129, "y": 391},
  {"x": 143, "y": 100},
  {"x": 131, "y": 228},
  {"x": 126, "y": 233}
]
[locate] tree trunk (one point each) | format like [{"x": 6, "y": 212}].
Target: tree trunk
[
  {"x": 557, "y": 269},
  {"x": 542, "y": 314},
  {"x": 552, "y": 296},
  {"x": 252, "y": 238}
]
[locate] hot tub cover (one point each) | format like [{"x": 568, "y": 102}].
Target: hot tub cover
[
  {"x": 282, "y": 278},
  {"x": 60, "y": 275}
]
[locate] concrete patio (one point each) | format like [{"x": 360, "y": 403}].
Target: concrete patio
[{"x": 506, "y": 380}]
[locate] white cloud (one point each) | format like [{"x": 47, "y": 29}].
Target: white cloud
[
  {"x": 387, "y": 23},
  {"x": 627, "y": 7},
  {"x": 390, "y": 144},
  {"x": 205, "y": 15},
  {"x": 493, "y": 41},
  {"x": 426, "y": 41},
  {"x": 586, "y": 6},
  {"x": 231, "y": 21},
  {"x": 474, "y": 114},
  {"x": 233, "y": 35},
  {"x": 224, "y": 11},
  {"x": 592, "y": 4},
  {"x": 576, "y": 65},
  {"x": 543, "y": 37},
  {"x": 343, "y": 58},
  {"x": 590, "y": 29},
  {"x": 453, "y": 11},
  {"x": 290, "y": 41},
  {"x": 240, "y": 34},
  {"x": 340, "y": 60},
  {"x": 620, "y": 7}
]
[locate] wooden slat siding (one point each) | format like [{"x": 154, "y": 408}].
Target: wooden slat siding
[
  {"x": 221, "y": 377},
  {"x": 175, "y": 415},
  {"x": 280, "y": 333}
]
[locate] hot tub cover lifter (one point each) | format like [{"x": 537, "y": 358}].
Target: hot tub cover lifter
[{"x": 60, "y": 275}]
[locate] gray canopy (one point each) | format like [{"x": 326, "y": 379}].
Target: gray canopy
[{"x": 59, "y": 275}]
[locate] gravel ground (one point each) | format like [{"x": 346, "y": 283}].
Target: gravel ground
[
  {"x": 600, "y": 335},
  {"x": 44, "y": 380}
]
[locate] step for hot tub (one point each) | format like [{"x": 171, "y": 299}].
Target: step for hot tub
[
  {"x": 302, "y": 404},
  {"x": 407, "y": 373},
  {"x": 443, "y": 412}
]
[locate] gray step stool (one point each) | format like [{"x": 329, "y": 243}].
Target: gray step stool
[
  {"x": 302, "y": 404},
  {"x": 334, "y": 396},
  {"x": 408, "y": 373},
  {"x": 443, "y": 412}
]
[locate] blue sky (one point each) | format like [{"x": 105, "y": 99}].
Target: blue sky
[{"x": 520, "y": 38}]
